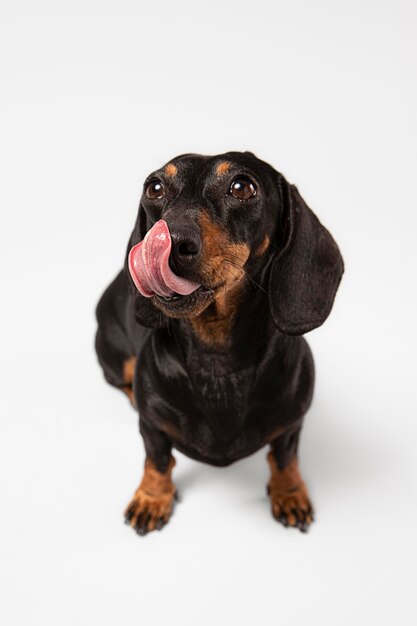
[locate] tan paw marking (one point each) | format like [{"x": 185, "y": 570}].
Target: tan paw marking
[
  {"x": 290, "y": 503},
  {"x": 152, "y": 504}
]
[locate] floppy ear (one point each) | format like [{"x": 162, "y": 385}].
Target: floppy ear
[
  {"x": 306, "y": 272},
  {"x": 146, "y": 313}
]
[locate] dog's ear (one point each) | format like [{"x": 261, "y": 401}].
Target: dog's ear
[
  {"x": 146, "y": 313},
  {"x": 306, "y": 272}
]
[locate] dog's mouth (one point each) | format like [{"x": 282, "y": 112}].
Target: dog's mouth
[
  {"x": 192, "y": 304},
  {"x": 150, "y": 271},
  {"x": 177, "y": 297}
]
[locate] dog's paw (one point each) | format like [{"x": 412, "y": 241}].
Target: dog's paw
[
  {"x": 147, "y": 512},
  {"x": 292, "y": 508}
]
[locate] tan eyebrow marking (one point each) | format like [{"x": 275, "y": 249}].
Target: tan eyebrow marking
[
  {"x": 171, "y": 170},
  {"x": 222, "y": 168}
]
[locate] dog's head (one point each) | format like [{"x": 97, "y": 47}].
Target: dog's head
[{"x": 205, "y": 224}]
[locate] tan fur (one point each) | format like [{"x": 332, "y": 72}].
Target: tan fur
[
  {"x": 288, "y": 493},
  {"x": 263, "y": 247},
  {"x": 222, "y": 168},
  {"x": 129, "y": 392},
  {"x": 128, "y": 375},
  {"x": 154, "y": 496},
  {"x": 129, "y": 370},
  {"x": 172, "y": 432},
  {"x": 171, "y": 170},
  {"x": 222, "y": 265},
  {"x": 213, "y": 325}
]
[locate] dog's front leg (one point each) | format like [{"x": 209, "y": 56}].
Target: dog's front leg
[
  {"x": 290, "y": 502},
  {"x": 152, "y": 504}
]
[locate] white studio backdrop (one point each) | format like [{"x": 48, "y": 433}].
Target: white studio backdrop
[{"x": 94, "y": 96}]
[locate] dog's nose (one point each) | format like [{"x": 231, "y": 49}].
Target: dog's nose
[{"x": 186, "y": 249}]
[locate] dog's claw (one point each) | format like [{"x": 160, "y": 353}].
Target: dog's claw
[{"x": 283, "y": 520}]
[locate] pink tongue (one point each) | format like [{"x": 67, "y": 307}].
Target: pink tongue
[{"x": 149, "y": 268}]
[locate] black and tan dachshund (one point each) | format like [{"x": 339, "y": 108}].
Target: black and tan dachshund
[{"x": 226, "y": 267}]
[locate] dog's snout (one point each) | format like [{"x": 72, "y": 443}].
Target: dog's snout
[{"x": 186, "y": 248}]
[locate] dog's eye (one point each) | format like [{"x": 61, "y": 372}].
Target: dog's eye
[
  {"x": 242, "y": 188},
  {"x": 155, "y": 190}
]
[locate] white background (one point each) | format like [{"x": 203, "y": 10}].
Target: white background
[{"x": 95, "y": 95}]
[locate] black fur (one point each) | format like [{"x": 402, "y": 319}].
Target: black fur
[{"x": 219, "y": 403}]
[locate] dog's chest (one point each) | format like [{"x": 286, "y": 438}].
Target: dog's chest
[
  {"x": 204, "y": 402},
  {"x": 222, "y": 397},
  {"x": 222, "y": 389}
]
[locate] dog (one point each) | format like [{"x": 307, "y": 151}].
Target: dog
[{"x": 225, "y": 269}]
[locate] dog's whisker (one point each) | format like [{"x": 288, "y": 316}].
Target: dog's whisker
[{"x": 246, "y": 275}]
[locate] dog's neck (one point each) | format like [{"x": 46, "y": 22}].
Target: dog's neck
[
  {"x": 214, "y": 325},
  {"x": 236, "y": 321}
]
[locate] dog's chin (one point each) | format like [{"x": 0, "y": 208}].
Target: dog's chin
[{"x": 185, "y": 306}]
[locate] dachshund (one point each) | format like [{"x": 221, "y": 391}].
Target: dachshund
[{"x": 225, "y": 270}]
